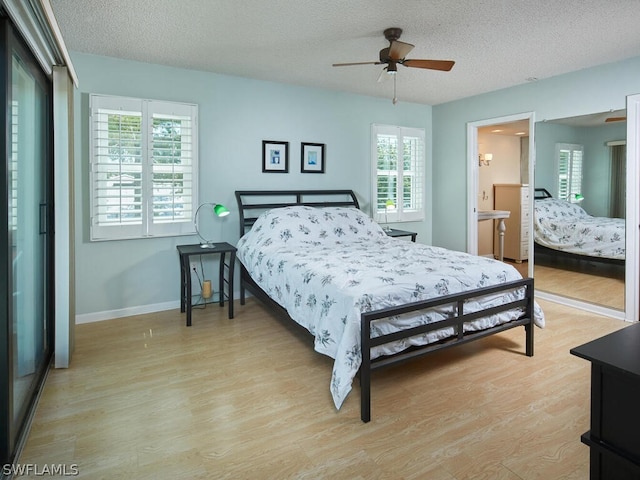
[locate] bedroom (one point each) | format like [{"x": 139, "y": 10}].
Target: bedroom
[{"x": 124, "y": 278}]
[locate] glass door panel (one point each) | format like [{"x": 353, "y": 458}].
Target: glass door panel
[{"x": 27, "y": 227}]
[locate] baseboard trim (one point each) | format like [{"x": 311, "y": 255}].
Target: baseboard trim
[
  {"x": 125, "y": 312},
  {"x": 129, "y": 311}
]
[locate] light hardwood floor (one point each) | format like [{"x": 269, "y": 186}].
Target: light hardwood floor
[
  {"x": 599, "y": 284},
  {"x": 606, "y": 290},
  {"x": 148, "y": 398}
]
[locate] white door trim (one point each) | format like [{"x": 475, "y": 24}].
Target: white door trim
[{"x": 632, "y": 267}]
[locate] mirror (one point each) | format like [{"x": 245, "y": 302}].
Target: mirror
[{"x": 578, "y": 233}]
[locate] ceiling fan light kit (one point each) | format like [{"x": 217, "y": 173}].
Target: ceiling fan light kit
[{"x": 396, "y": 54}]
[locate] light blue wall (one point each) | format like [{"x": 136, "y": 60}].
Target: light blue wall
[
  {"x": 547, "y": 135},
  {"x": 596, "y": 178},
  {"x": 586, "y": 91},
  {"x": 235, "y": 114}
]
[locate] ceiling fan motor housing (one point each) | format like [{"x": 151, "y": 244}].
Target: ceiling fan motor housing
[{"x": 392, "y": 34}]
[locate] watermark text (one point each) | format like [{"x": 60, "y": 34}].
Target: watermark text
[{"x": 37, "y": 470}]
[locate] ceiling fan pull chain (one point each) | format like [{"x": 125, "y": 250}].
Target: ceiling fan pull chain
[{"x": 395, "y": 98}]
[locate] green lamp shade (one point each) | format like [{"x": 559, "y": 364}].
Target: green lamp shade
[
  {"x": 220, "y": 210},
  {"x": 389, "y": 204}
]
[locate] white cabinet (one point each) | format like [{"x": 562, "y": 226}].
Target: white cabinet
[{"x": 514, "y": 198}]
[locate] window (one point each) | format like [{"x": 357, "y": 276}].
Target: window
[
  {"x": 569, "y": 162},
  {"x": 398, "y": 157},
  {"x": 143, "y": 168}
]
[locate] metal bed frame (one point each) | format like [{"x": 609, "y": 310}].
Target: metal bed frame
[{"x": 251, "y": 203}]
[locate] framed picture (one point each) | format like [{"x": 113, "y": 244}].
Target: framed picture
[
  {"x": 275, "y": 156},
  {"x": 312, "y": 158}
]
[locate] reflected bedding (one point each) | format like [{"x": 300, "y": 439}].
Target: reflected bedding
[{"x": 567, "y": 227}]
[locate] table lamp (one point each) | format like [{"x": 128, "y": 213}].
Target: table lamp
[
  {"x": 387, "y": 206},
  {"x": 216, "y": 208}
]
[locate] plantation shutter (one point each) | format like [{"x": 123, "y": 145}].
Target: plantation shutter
[
  {"x": 172, "y": 167},
  {"x": 143, "y": 168},
  {"x": 569, "y": 162},
  {"x": 398, "y": 155}
]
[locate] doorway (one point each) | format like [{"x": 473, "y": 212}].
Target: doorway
[{"x": 500, "y": 160}]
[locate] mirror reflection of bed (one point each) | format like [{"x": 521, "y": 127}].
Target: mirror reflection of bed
[{"x": 569, "y": 262}]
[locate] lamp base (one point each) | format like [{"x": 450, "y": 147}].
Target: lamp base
[{"x": 207, "y": 245}]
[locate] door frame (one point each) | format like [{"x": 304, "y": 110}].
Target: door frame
[
  {"x": 473, "y": 176},
  {"x": 632, "y": 266}
]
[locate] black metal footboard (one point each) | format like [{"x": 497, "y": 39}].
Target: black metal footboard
[{"x": 457, "y": 322}]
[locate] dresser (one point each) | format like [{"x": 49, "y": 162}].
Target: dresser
[
  {"x": 614, "y": 435},
  {"x": 515, "y": 199}
]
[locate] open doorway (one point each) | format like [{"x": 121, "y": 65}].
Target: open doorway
[{"x": 500, "y": 180}]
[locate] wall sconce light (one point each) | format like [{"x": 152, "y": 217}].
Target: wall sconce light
[{"x": 485, "y": 159}]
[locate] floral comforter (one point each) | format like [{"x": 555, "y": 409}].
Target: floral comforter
[
  {"x": 564, "y": 226},
  {"x": 326, "y": 266}
]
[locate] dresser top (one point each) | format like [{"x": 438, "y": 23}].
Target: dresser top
[{"x": 620, "y": 350}]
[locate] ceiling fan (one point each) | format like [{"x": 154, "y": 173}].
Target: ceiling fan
[{"x": 395, "y": 54}]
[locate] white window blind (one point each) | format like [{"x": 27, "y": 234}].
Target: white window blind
[
  {"x": 569, "y": 169},
  {"x": 398, "y": 163},
  {"x": 143, "y": 167}
]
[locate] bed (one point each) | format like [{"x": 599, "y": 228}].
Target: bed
[
  {"x": 370, "y": 300},
  {"x": 566, "y": 229}
]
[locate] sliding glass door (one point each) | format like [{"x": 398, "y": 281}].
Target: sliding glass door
[{"x": 26, "y": 243}]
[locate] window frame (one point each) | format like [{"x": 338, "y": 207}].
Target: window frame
[
  {"x": 416, "y": 211},
  {"x": 148, "y": 226}
]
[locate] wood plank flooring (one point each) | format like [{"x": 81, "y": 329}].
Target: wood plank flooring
[
  {"x": 590, "y": 282},
  {"x": 605, "y": 288},
  {"x": 148, "y": 398}
]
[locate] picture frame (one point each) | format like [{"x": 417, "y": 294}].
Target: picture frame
[
  {"x": 275, "y": 156},
  {"x": 312, "y": 157}
]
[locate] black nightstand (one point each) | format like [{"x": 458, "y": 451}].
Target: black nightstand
[
  {"x": 401, "y": 233},
  {"x": 187, "y": 251}
]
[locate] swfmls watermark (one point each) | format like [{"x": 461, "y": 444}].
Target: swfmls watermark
[{"x": 38, "y": 470}]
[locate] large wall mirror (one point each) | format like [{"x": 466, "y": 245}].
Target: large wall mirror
[{"x": 579, "y": 212}]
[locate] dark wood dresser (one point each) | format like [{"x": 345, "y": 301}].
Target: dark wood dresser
[{"x": 614, "y": 437}]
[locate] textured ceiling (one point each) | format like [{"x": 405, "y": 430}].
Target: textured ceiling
[{"x": 495, "y": 43}]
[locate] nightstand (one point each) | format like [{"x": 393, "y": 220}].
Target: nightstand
[
  {"x": 188, "y": 251},
  {"x": 401, "y": 233}
]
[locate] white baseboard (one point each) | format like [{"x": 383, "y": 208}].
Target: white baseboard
[
  {"x": 139, "y": 310},
  {"x": 126, "y": 312}
]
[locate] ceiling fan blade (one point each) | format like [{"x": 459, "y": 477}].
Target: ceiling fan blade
[
  {"x": 444, "y": 65},
  {"x": 398, "y": 50},
  {"x": 615, "y": 119},
  {"x": 355, "y": 63}
]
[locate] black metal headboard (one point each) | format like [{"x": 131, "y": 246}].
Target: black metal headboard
[
  {"x": 251, "y": 203},
  {"x": 541, "y": 193}
]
